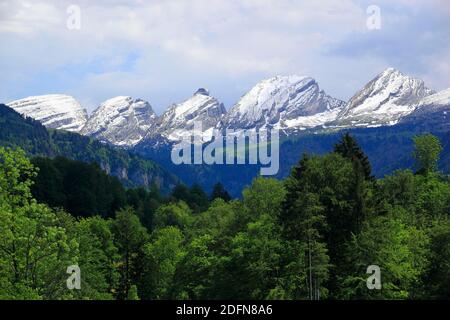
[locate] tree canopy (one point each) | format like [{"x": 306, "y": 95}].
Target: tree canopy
[{"x": 311, "y": 236}]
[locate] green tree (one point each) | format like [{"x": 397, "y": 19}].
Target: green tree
[
  {"x": 398, "y": 249},
  {"x": 98, "y": 259},
  {"x": 349, "y": 149},
  {"x": 322, "y": 211},
  {"x": 194, "y": 197},
  {"x": 195, "y": 275},
  {"x": 426, "y": 152},
  {"x": 130, "y": 238},
  {"x": 437, "y": 277},
  {"x": 173, "y": 214},
  {"x": 34, "y": 250},
  {"x": 264, "y": 197},
  {"x": 162, "y": 254},
  {"x": 220, "y": 192},
  {"x": 219, "y": 220},
  {"x": 255, "y": 249},
  {"x": 425, "y": 198}
]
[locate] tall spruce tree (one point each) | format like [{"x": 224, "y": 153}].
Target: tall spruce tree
[
  {"x": 348, "y": 148},
  {"x": 220, "y": 192},
  {"x": 362, "y": 176}
]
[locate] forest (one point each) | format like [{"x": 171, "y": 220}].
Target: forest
[{"x": 310, "y": 236}]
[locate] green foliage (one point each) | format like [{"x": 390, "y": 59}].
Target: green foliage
[
  {"x": 426, "y": 152},
  {"x": 436, "y": 280},
  {"x": 132, "y": 293},
  {"x": 162, "y": 257},
  {"x": 398, "y": 249},
  {"x": 194, "y": 197},
  {"x": 98, "y": 257},
  {"x": 426, "y": 198},
  {"x": 15, "y": 179},
  {"x": 130, "y": 238},
  {"x": 81, "y": 189},
  {"x": 85, "y": 190},
  {"x": 195, "y": 275},
  {"x": 311, "y": 236},
  {"x": 219, "y": 220},
  {"x": 145, "y": 203},
  {"x": 34, "y": 249},
  {"x": 173, "y": 214},
  {"x": 349, "y": 148},
  {"x": 322, "y": 211}
]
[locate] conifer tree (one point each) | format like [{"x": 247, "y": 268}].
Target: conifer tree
[
  {"x": 220, "y": 192},
  {"x": 349, "y": 149}
]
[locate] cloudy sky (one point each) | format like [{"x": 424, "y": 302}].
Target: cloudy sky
[{"x": 163, "y": 50}]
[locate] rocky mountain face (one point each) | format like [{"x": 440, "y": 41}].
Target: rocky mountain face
[
  {"x": 121, "y": 121},
  {"x": 179, "y": 119},
  {"x": 289, "y": 103},
  {"x": 433, "y": 110},
  {"x": 283, "y": 102},
  {"x": 383, "y": 101},
  {"x": 438, "y": 102},
  {"x": 56, "y": 111}
]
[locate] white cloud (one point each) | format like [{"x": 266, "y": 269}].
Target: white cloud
[{"x": 181, "y": 43}]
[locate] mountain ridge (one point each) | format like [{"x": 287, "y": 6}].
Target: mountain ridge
[
  {"x": 290, "y": 103},
  {"x": 56, "y": 111},
  {"x": 122, "y": 121},
  {"x": 131, "y": 169}
]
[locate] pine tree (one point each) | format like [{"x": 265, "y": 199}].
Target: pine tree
[
  {"x": 220, "y": 192},
  {"x": 362, "y": 176},
  {"x": 349, "y": 149}
]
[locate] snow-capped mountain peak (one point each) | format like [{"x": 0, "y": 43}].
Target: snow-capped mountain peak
[
  {"x": 121, "y": 121},
  {"x": 179, "y": 118},
  {"x": 390, "y": 96},
  {"x": 289, "y": 103},
  {"x": 56, "y": 111},
  {"x": 283, "y": 102}
]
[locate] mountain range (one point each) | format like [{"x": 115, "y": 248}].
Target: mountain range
[
  {"x": 388, "y": 111},
  {"x": 289, "y": 103},
  {"x": 37, "y": 140}
]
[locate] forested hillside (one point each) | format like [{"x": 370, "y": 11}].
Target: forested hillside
[
  {"x": 36, "y": 140},
  {"x": 388, "y": 149},
  {"x": 310, "y": 236}
]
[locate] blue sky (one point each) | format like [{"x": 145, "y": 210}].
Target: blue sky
[{"x": 163, "y": 50}]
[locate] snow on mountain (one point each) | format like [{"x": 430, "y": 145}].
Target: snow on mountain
[
  {"x": 288, "y": 103},
  {"x": 441, "y": 98},
  {"x": 283, "y": 102},
  {"x": 122, "y": 121},
  {"x": 433, "y": 109},
  {"x": 179, "y": 119},
  {"x": 384, "y": 100},
  {"x": 56, "y": 111}
]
